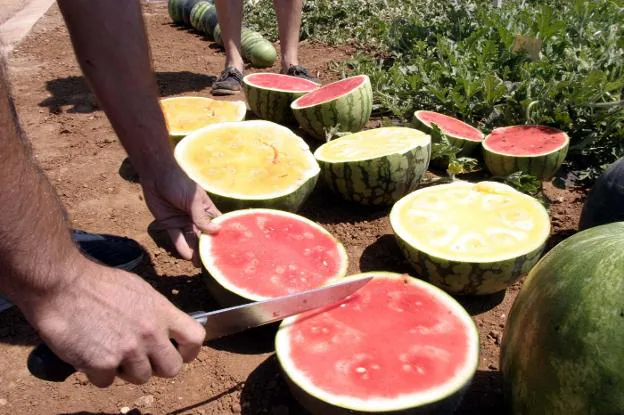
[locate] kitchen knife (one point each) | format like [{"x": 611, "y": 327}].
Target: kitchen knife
[{"x": 45, "y": 365}]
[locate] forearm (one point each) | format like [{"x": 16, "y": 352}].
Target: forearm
[
  {"x": 111, "y": 47},
  {"x": 37, "y": 255}
]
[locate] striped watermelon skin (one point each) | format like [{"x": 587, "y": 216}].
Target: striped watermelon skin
[
  {"x": 380, "y": 181},
  {"x": 466, "y": 278},
  {"x": 255, "y": 49},
  {"x": 174, "y": 11},
  {"x": 204, "y": 18},
  {"x": 467, "y": 147},
  {"x": 348, "y": 113},
  {"x": 272, "y": 105}
]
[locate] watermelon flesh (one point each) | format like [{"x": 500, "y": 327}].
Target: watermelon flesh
[
  {"x": 449, "y": 125},
  {"x": 526, "y": 140},
  {"x": 281, "y": 82},
  {"x": 330, "y": 91},
  {"x": 342, "y": 356},
  {"x": 261, "y": 253}
]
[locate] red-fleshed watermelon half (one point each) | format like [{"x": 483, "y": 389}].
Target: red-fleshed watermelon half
[
  {"x": 397, "y": 345},
  {"x": 534, "y": 149},
  {"x": 335, "y": 109},
  {"x": 265, "y": 253},
  {"x": 460, "y": 134},
  {"x": 269, "y": 95}
]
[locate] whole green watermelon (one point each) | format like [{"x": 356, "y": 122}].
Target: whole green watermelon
[
  {"x": 563, "y": 347},
  {"x": 605, "y": 202}
]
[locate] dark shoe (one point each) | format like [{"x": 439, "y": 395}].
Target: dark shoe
[
  {"x": 228, "y": 83},
  {"x": 114, "y": 251},
  {"x": 300, "y": 72}
]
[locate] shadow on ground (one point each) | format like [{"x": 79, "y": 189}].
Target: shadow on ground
[{"x": 73, "y": 91}]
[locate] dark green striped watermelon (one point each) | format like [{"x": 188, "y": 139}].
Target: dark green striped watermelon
[
  {"x": 605, "y": 202},
  {"x": 204, "y": 18},
  {"x": 255, "y": 49},
  {"x": 470, "y": 238},
  {"x": 562, "y": 352},
  {"x": 463, "y": 136},
  {"x": 175, "y": 12},
  {"x": 534, "y": 149},
  {"x": 335, "y": 109},
  {"x": 269, "y": 95},
  {"x": 375, "y": 167}
]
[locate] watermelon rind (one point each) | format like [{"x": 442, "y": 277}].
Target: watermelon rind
[
  {"x": 605, "y": 200},
  {"x": 256, "y": 49},
  {"x": 443, "y": 400},
  {"x": 347, "y": 113},
  {"x": 466, "y": 145},
  {"x": 272, "y": 104},
  {"x": 542, "y": 166},
  {"x": 224, "y": 291},
  {"x": 381, "y": 180},
  {"x": 289, "y": 199},
  {"x": 176, "y": 135},
  {"x": 562, "y": 349},
  {"x": 201, "y": 15},
  {"x": 174, "y": 11},
  {"x": 468, "y": 277}
]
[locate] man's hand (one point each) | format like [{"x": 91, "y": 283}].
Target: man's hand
[
  {"x": 109, "y": 323},
  {"x": 182, "y": 208}
]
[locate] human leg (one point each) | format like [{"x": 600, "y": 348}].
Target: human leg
[{"x": 230, "y": 16}]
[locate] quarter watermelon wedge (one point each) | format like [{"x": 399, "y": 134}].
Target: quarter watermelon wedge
[
  {"x": 469, "y": 238},
  {"x": 463, "y": 136},
  {"x": 398, "y": 345},
  {"x": 265, "y": 253},
  {"x": 269, "y": 95},
  {"x": 249, "y": 164},
  {"x": 375, "y": 167},
  {"x": 562, "y": 352},
  {"x": 334, "y": 109},
  {"x": 184, "y": 115},
  {"x": 534, "y": 149}
]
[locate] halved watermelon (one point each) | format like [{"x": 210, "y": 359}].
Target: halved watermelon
[
  {"x": 333, "y": 109},
  {"x": 469, "y": 238},
  {"x": 269, "y": 95},
  {"x": 463, "y": 136},
  {"x": 398, "y": 345},
  {"x": 265, "y": 253},
  {"x": 375, "y": 167},
  {"x": 249, "y": 164},
  {"x": 184, "y": 115},
  {"x": 534, "y": 149}
]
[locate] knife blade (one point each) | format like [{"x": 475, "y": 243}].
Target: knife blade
[{"x": 45, "y": 365}]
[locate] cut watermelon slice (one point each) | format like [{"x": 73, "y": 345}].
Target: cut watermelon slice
[
  {"x": 534, "y": 149},
  {"x": 264, "y": 253},
  {"x": 461, "y": 135},
  {"x": 333, "y": 109},
  {"x": 397, "y": 344},
  {"x": 249, "y": 164},
  {"x": 269, "y": 95}
]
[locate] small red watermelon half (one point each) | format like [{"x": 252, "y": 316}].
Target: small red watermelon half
[
  {"x": 397, "y": 345},
  {"x": 460, "y": 134},
  {"x": 534, "y": 149},
  {"x": 265, "y": 253}
]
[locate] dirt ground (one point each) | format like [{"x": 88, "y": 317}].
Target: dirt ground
[{"x": 77, "y": 149}]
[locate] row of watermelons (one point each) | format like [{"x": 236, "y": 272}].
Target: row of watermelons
[{"x": 201, "y": 15}]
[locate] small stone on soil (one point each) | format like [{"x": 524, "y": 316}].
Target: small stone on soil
[
  {"x": 124, "y": 410},
  {"x": 145, "y": 401},
  {"x": 3, "y": 401}
]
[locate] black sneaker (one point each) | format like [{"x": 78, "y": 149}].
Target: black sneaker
[
  {"x": 300, "y": 72},
  {"x": 228, "y": 83},
  {"x": 114, "y": 251}
]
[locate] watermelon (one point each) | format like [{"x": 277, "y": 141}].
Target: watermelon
[
  {"x": 375, "y": 167},
  {"x": 334, "y": 109},
  {"x": 269, "y": 95},
  {"x": 254, "y": 47},
  {"x": 605, "y": 202},
  {"x": 469, "y": 238},
  {"x": 398, "y": 345},
  {"x": 249, "y": 164},
  {"x": 184, "y": 115},
  {"x": 562, "y": 351},
  {"x": 204, "y": 17},
  {"x": 264, "y": 253},
  {"x": 461, "y": 135},
  {"x": 534, "y": 149}
]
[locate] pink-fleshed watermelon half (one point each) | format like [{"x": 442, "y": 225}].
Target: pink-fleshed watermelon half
[
  {"x": 265, "y": 253},
  {"x": 460, "y": 134},
  {"x": 269, "y": 95},
  {"x": 534, "y": 149},
  {"x": 398, "y": 345},
  {"x": 335, "y": 109}
]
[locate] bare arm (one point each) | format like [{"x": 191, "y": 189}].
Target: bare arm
[{"x": 111, "y": 47}]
